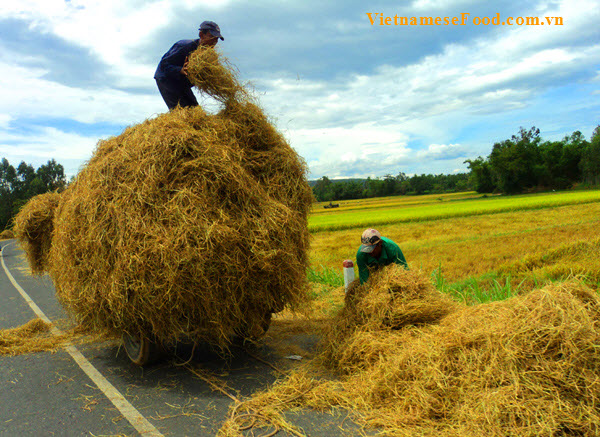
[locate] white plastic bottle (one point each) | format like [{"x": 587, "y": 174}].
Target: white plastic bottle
[{"x": 348, "y": 273}]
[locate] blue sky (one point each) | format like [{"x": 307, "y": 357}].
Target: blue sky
[{"x": 354, "y": 99}]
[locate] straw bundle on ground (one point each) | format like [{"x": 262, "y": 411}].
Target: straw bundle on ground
[
  {"x": 6, "y": 234},
  {"x": 189, "y": 226},
  {"x": 527, "y": 366},
  {"x": 392, "y": 299},
  {"x": 33, "y": 336},
  {"x": 395, "y": 297}
]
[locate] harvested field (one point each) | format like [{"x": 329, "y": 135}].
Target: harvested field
[{"x": 472, "y": 256}]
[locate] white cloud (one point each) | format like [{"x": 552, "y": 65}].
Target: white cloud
[
  {"x": 362, "y": 148},
  {"x": 432, "y": 98},
  {"x": 442, "y": 151},
  {"x": 429, "y": 5},
  {"x": 5, "y": 120},
  {"x": 25, "y": 93},
  {"x": 46, "y": 143},
  {"x": 460, "y": 79},
  {"x": 109, "y": 29}
]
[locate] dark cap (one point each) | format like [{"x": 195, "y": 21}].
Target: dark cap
[
  {"x": 369, "y": 239},
  {"x": 212, "y": 27}
]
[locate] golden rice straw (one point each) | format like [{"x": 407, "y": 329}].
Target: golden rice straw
[
  {"x": 33, "y": 336},
  {"x": 188, "y": 226},
  {"x": 527, "y": 366},
  {"x": 6, "y": 234}
]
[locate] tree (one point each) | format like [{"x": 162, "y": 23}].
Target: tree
[
  {"x": 590, "y": 161},
  {"x": 515, "y": 162},
  {"x": 421, "y": 184},
  {"x": 574, "y": 146},
  {"x": 25, "y": 176},
  {"x": 353, "y": 190},
  {"x": 551, "y": 174},
  {"x": 389, "y": 185},
  {"x": 8, "y": 178},
  {"x": 19, "y": 185},
  {"x": 322, "y": 189},
  {"x": 373, "y": 187},
  {"x": 337, "y": 190},
  {"x": 52, "y": 176},
  {"x": 561, "y": 161}
]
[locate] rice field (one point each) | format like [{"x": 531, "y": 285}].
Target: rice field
[
  {"x": 403, "y": 209},
  {"x": 468, "y": 242}
]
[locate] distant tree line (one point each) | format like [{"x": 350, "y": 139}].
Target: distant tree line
[
  {"x": 522, "y": 163},
  {"x": 19, "y": 185},
  {"x": 327, "y": 190},
  {"x": 525, "y": 162}
]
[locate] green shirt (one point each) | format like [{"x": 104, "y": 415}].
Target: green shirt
[{"x": 390, "y": 253}]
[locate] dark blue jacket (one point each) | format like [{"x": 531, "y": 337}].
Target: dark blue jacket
[{"x": 169, "y": 67}]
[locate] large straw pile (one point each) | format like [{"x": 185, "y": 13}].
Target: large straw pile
[
  {"x": 187, "y": 226},
  {"x": 527, "y": 366}
]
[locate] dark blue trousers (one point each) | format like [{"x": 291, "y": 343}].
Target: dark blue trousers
[{"x": 175, "y": 94}]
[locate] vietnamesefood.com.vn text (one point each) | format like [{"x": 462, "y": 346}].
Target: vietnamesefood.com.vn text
[{"x": 377, "y": 18}]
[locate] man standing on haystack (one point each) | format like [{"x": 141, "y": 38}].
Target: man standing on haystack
[
  {"x": 171, "y": 74},
  {"x": 376, "y": 251}
]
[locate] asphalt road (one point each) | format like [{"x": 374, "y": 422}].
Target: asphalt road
[{"x": 47, "y": 394}]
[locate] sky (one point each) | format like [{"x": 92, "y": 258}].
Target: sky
[{"x": 354, "y": 97}]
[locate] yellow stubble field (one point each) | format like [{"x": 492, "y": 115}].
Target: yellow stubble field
[{"x": 536, "y": 237}]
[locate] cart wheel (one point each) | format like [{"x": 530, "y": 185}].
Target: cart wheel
[
  {"x": 140, "y": 349},
  {"x": 243, "y": 335}
]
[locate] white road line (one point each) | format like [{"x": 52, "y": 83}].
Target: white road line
[{"x": 139, "y": 422}]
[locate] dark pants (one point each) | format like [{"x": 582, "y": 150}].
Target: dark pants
[{"x": 174, "y": 95}]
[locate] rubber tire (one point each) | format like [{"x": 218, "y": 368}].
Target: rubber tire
[
  {"x": 140, "y": 350},
  {"x": 242, "y": 336}
]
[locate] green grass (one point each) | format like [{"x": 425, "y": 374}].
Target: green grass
[
  {"x": 390, "y": 213},
  {"x": 326, "y": 276},
  {"x": 471, "y": 291},
  {"x": 490, "y": 287}
]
